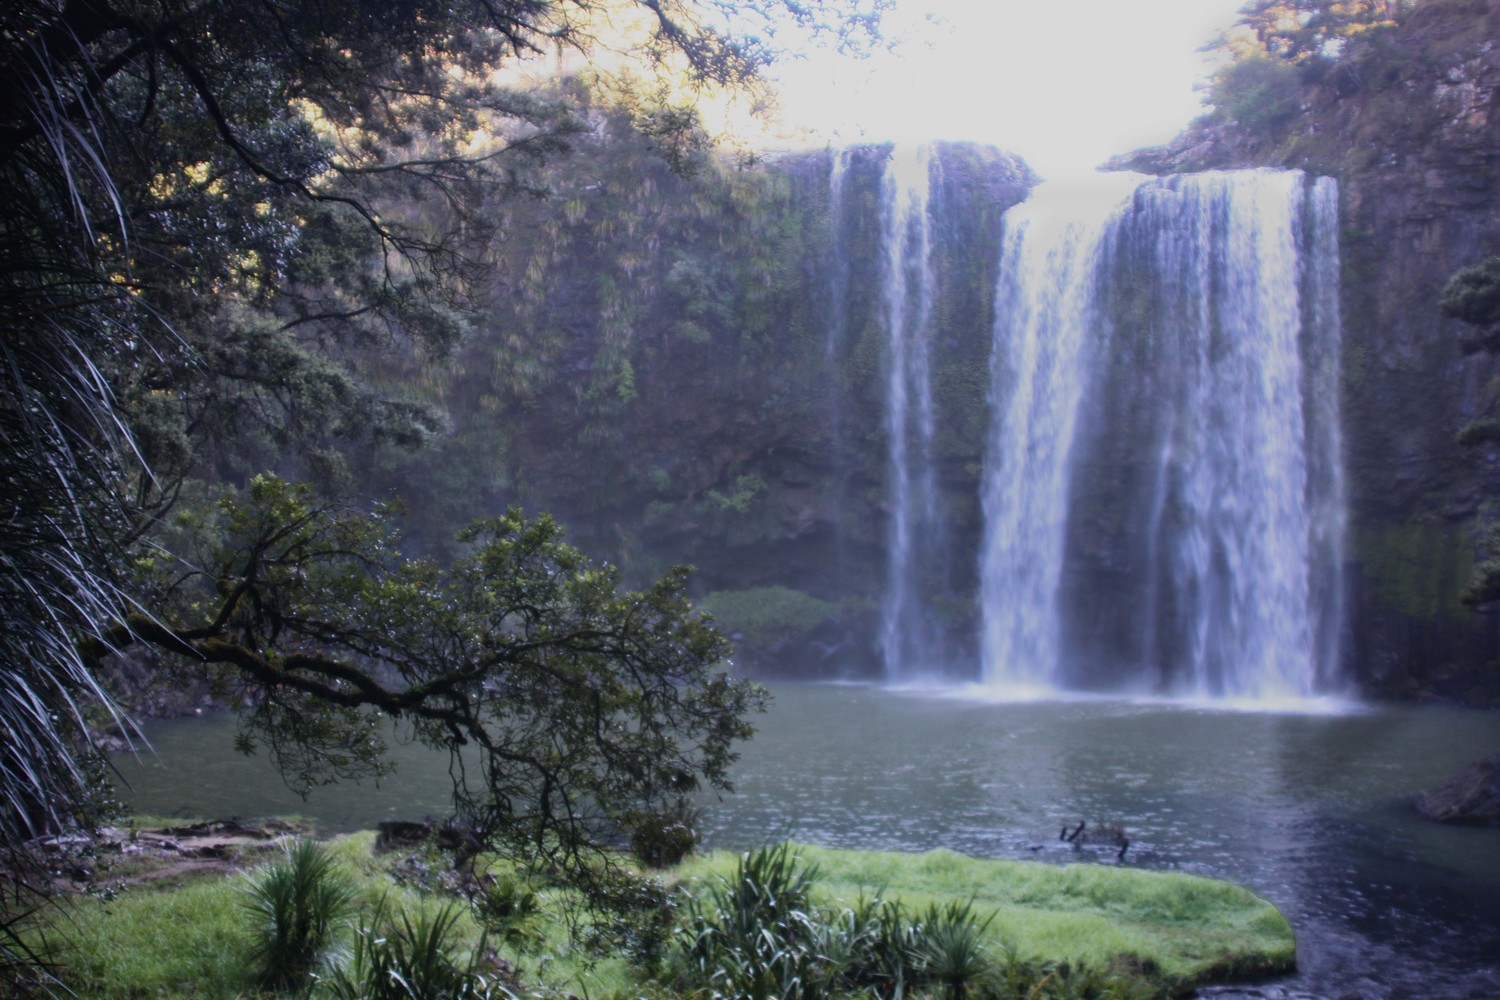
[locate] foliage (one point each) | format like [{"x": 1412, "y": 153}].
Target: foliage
[
  {"x": 641, "y": 930},
  {"x": 949, "y": 947},
  {"x": 1259, "y": 93},
  {"x": 746, "y": 489},
  {"x": 191, "y": 940},
  {"x": 206, "y": 212},
  {"x": 568, "y": 706},
  {"x": 760, "y": 934},
  {"x": 398, "y": 956},
  {"x": 508, "y": 907},
  {"x": 753, "y": 934},
  {"x": 296, "y": 905},
  {"x": 1473, "y": 296},
  {"x": 617, "y": 305},
  {"x": 767, "y": 615},
  {"x": 663, "y": 837},
  {"x": 1276, "y": 47},
  {"x": 1086, "y": 915},
  {"x": 1299, "y": 30}
]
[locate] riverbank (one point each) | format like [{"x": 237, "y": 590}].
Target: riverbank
[{"x": 149, "y": 925}]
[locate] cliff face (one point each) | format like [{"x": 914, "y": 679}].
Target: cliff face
[
  {"x": 695, "y": 370},
  {"x": 1408, "y": 121},
  {"x": 700, "y": 370}
]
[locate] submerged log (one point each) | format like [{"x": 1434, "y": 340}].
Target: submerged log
[{"x": 1470, "y": 796}]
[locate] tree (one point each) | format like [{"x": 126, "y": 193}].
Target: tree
[
  {"x": 1299, "y": 30},
  {"x": 573, "y": 711},
  {"x": 1277, "y": 46},
  {"x": 201, "y": 206}
]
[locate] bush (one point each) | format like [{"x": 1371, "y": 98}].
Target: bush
[
  {"x": 663, "y": 838},
  {"x": 1473, "y": 294},
  {"x": 764, "y": 616},
  {"x": 1258, "y": 93},
  {"x": 948, "y": 948},
  {"x": 296, "y": 904},
  {"x": 401, "y": 958},
  {"x": 753, "y": 935},
  {"x": 758, "y": 935},
  {"x": 508, "y": 907}
]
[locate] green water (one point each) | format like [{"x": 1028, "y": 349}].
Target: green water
[{"x": 1310, "y": 810}]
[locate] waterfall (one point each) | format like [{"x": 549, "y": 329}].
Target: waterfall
[
  {"x": 835, "y": 336},
  {"x": 1046, "y": 310},
  {"x": 1163, "y": 495},
  {"x": 838, "y": 271},
  {"x": 909, "y": 640}
]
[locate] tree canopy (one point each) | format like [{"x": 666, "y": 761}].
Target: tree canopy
[
  {"x": 1297, "y": 30},
  {"x": 573, "y": 711},
  {"x": 203, "y": 207},
  {"x": 1276, "y": 46}
]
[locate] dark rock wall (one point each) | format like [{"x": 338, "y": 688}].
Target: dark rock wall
[{"x": 722, "y": 403}]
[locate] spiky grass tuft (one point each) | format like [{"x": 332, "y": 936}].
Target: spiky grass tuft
[{"x": 296, "y": 904}]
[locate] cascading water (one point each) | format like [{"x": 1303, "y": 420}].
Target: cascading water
[
  {"x": 836, "y": 326},
  {"x": 1045, "y": 309},
  {"x": 1163, "y": 495},
  {"x": 908, "y": 640},
  {"x": 838, "y": 271}
]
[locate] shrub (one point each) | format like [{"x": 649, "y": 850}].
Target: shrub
[
  {"x": 767, "y": 615},
  {"x": 1258, "y": 93},
  {"x": 948, "y": 947},
  {"x": 508, "y": 907},
  {"x": 753, "y": 936},
  {"x": 663, "y": 838},
  {"x": 640, "y": 924},
  {"x": 401, "y": 958},
  {"x": 296, "y": 904},
  {"x": 757, "y": 935}
]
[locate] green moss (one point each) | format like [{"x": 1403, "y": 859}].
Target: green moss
[{"x": 1194, "y": 930}]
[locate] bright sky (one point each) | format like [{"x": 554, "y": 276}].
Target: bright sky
[{"x": 1064, "y": 83}]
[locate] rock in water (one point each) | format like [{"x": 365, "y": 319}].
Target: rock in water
[{"x": 1470, "y": 796}]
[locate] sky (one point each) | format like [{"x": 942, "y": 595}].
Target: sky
[{"x": 1064, "y": 83}]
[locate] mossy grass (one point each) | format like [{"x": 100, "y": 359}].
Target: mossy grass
[
  {"x": 193, "y": 939},
  {"x": 188, "y": 940},
  {"x": 1192, "y": 929}
]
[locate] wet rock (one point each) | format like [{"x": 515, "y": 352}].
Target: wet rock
[{"x": 1470, "y": 796}]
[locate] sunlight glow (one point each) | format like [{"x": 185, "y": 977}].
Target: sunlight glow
[{"x": 1064, "y": 83}]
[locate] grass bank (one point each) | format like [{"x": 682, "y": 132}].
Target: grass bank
[
  {"x": 189, "y": 934},
  {"x": 1194, "y": 930}
]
